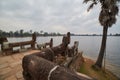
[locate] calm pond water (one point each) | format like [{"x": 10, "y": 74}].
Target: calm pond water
[{"x": 90, "y": 46}]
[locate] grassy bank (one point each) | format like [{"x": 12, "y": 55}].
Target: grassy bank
[{"x": 102, "y": 74}]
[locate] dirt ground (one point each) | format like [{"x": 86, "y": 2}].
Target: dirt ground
[{"x": 102, "y": 74}]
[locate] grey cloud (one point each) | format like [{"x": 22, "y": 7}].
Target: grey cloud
[{"x": 66, "y": 15}]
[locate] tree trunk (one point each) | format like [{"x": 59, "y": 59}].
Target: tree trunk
[{"x": 102, "y": 49}]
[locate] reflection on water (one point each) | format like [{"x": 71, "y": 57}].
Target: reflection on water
[{"x": 90, "y": 45}]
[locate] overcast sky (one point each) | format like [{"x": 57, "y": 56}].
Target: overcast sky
[{"x": 51, "y": 16}]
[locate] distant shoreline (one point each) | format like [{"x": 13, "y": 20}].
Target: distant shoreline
[
  {"x": 62, "y": 35},
  {"x": 22, "y": 33}
]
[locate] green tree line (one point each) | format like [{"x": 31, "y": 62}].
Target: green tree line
[{"x": 22, "y": 33}]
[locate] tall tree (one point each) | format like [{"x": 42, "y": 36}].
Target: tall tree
[
  {"x": 30, "y": 31},
  {"x": 41, "y": 32},
  {"x": 11, "y": 34},
  {"x": 16, "y": 34},
  {"x": 21, "y": 32},
  {"x": 107, "y": 18},
  {"x": 1, "y": 33}
]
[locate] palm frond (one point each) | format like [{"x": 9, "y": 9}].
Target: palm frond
[
  {"x": 91, "y": 6},
  {"x": 115, "y": 10},
  {"x": 109, "y": 11},
  {"x": 86, "y": 1}
]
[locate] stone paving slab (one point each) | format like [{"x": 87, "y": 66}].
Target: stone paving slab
[
  {"x": 4, "y": 59},
  {"x": 3, "y": 65},
  {"x": 11, "y": 78},
  {"x": 11, "y": 66}
]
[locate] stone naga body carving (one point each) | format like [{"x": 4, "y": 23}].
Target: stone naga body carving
[{"x": 40, "y": 66}]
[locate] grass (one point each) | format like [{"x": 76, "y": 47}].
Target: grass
[{"x": 101, "y": 74}]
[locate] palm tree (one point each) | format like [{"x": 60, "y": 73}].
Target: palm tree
[{"x": 107, "y": 18}]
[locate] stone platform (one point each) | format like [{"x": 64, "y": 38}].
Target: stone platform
[{"x": 11, "y": 66}]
